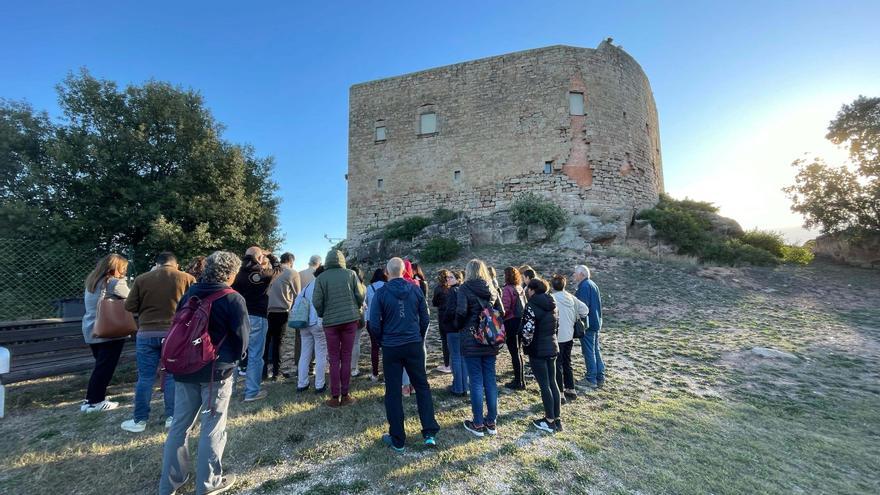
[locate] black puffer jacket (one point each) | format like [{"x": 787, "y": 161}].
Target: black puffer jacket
[
  {"x": 467, "y": 315},
  {"x": 446, "y": 314},
  {"x": 439, "y": 301},
  {"x": 541, "y": 322}
]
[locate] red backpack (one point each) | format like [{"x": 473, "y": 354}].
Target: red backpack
[{"x": 188, "y": 347}]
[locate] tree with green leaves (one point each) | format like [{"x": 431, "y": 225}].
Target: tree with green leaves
[
  {"x": 136, "y": 170},
  {"x": 840, "y": 198}
]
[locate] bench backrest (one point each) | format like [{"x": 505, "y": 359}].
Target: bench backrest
[{"x": 46, "y": 347}]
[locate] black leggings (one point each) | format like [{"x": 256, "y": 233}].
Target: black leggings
[
  {"x": 106, "y": 358},
  {"x": 545, "y": 374},
  {"x": 276, "y": 324},
  {"x": 564, "y": 373},
  {"x": 511, "y": 329}
]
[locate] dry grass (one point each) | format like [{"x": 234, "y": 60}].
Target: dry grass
[{"x": 687, "y": 409}]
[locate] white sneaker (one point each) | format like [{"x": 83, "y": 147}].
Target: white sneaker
[
  {"x": 134, "y": 426},
  {"x": 168, "y": 421},
  {"x": 355, "y": 373},
  {"x": 374, "y": 378},
  {"x": 104, "y": 405}
]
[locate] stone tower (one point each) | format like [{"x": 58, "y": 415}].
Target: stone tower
[{"x": 577, "y": 125}]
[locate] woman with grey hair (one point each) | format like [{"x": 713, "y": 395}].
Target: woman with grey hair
[
  {"x": 476, "y": 294},
  {"x": 209, "y": 388}
]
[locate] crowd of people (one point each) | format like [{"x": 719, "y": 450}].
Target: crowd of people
[{"x": 252, "y": 303}]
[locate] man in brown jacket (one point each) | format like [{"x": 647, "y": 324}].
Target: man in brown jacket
[{"x": 154, "y": 297}]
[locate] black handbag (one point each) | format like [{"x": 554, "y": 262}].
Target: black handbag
[{"x": 580, "y": 328}]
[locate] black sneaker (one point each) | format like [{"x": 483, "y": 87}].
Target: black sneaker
[
  {"x": 302, "y": 389},
  {"x": 514, "y": 386},
  {"x": 543, "y": 425},
  {"x": 321, "y": 390},
  {"x": 570, "y": 395},
  {"x": 557, "y": 425},
  {"x": 491, "y": 428},
  {"x": 479, "y": 431}
]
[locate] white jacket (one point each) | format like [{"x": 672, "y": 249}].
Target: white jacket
[{"x": 570, "y": 308}]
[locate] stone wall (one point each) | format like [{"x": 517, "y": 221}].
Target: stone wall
[{"x": 499, "y": 121}]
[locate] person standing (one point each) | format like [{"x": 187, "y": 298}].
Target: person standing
[
  {"x": 459, "y": 385},
  {"x": 282, "y": 292},
  {"x": 441, "y": 291},
  {"x": 252, "y": 282},
  {"x": 106, "y": 280},
  {"x": 399, "y": 322},
  {"x": 338, "y": 299},
  {"x": 153, "y": 297},
  {"x": 476, "y": 294},
  {"x": 539, "y": 333},
  {"x": 514, "y": 300},
  {"x": 376, "y": 282},
  {"x": 588, "y": 293},
  {"x": 205, "y": 393},
  {"x": 314, "y": 342},
  {"x": 571, "y": 310},
  {"x": 305, "y": 278},
  {"x": 362, "y": 324}
]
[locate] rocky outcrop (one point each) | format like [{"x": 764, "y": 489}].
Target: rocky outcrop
[
  {"x": 858, "y": 250},
  {"x": 577, "y": 237}
]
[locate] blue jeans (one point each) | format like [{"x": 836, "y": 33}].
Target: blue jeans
[
  {"x": 256, "y": 343},
  {"x": 456, "y": 362},
  {"x": 481, "y": 372},
  {"x": 148, "y": 353},
  {"x": 593, "y": 357}
]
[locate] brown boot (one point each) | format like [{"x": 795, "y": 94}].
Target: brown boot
[
  {"x": 333, "y": 402},
  {"x": 347, "y": 400}
]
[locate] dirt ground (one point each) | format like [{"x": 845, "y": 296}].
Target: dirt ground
[{"x": 690, "y": 405}]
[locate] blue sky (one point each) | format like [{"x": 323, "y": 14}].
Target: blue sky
[{"x": 742, "y": 88}]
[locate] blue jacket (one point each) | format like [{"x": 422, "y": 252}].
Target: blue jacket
[
  {"x": 398, "y": 314},
  {"x": 229, "y": 319},
  {"x": 588, "y": 293}
]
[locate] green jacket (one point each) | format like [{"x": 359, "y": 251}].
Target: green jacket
[{"x": 339, "y": 295}]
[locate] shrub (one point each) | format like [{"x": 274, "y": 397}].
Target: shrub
[
  {"x": 797, "y": 255},
  {"x": 443, "y": 215},
  {"x": 440, "y": 249},
  {"x": 686, "y": 224},
  {"x": 771, "y": 242},
  {"x": 406, "y": 229},
  {"x": 688, "y": 231},
  {"x": 531, "y": 209},
  {"x": 735, "y": 252}
]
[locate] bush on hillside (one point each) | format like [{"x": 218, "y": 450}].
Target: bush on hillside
[
  {"x": 443, "y": 215},
  {"x": 687, "y": 224},
  {"x": 406, "y": 229},
  {"x": 440, "y": 249},
  {"x": 771, "y": 242},
  {"x": 735, "y": 252},
  {"x": 531, "y": 209},
  {"x": 797, "y": 255},
  {"x": 688, "y": 231}
]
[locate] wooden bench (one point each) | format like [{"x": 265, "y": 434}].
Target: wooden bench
[{"x": 48, "y": 347}]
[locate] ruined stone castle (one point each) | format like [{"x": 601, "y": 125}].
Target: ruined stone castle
[{"x": 577, "y": 125}]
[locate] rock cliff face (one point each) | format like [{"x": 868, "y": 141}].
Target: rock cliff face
[
  {"x": 601, "y": 227},
  {"x": 863, "y": 250}
]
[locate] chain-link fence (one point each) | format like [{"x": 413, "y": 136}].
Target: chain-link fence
[{"x": 39, "y": 281}]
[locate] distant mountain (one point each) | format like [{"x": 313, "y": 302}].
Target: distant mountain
[{"x": 796, "y": 235}]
